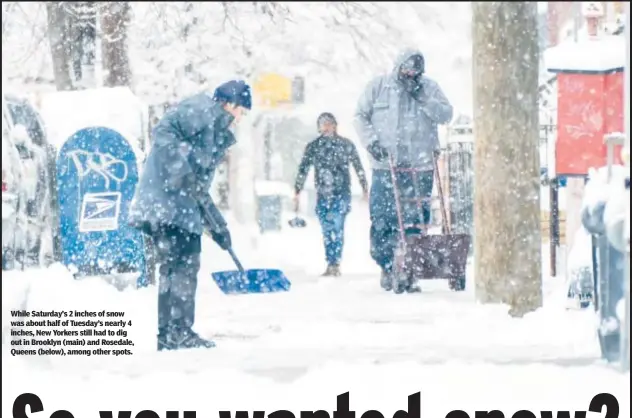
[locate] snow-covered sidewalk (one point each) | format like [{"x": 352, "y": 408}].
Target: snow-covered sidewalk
[{"x": 298, "y": 350}]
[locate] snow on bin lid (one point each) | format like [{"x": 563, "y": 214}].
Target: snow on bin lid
[
  {"x": 588, "y": 56},
  {"x": 272, "y": 188}
]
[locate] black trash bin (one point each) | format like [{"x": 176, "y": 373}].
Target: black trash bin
[{"x": 270, "y": 195}]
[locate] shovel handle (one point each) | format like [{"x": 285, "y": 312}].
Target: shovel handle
[
  {"x": 235, "y": 260},
  {"x": 210, "y": 219}
]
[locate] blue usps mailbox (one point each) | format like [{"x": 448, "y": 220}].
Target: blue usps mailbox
[{"x": 97, "y": 173}]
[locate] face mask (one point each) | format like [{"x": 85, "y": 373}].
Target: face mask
[
  {"x": 411, "y": 83},
  {"x": 410, "y": 73}
]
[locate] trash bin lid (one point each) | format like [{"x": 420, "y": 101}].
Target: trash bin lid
[{"x": 272, "y": 188}]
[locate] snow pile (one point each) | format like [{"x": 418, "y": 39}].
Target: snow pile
[
  {"x": 599, "y": 190},
  {"x": 615, "y": 211},
  {"x": 56, "y": 289},
  {"x": 297, "y": 350}
]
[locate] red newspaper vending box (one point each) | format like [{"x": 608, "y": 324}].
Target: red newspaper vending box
[{"x": 590, "y": 88}]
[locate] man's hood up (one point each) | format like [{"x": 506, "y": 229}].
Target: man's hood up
[{"x": 402, "y": 57}]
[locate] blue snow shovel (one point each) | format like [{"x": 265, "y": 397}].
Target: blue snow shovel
[{"x": 242, "y": 281}]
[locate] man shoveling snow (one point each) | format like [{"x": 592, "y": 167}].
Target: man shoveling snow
[{"x": 173, "y": 207}]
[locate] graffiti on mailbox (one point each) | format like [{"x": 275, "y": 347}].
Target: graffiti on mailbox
[{"x": 102, "y": 164}]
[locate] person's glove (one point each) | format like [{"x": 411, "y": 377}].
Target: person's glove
[
  {"x": 418, "y": 91},
  {"x": 378, "y": 152},
  {"x": 222, "y": 238}
]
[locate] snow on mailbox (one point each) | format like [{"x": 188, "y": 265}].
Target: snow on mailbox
[{"x": 590, "y": 88}]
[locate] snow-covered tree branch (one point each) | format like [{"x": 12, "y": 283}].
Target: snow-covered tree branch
[{"x": 177, "y": 48}]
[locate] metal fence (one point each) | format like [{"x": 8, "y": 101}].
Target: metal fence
[
  {"x": 459, "y": 173},
  {"x": 458, "y": 176}
]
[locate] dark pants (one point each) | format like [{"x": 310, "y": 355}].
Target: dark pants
[
  {"x": 177, "y": 252},
  {"x": 411, "y": 187},
  {"x": 332, "y": 213}
]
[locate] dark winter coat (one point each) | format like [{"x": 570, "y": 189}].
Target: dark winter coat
[
  {"x": 188, "y": 144},
  {"x": 330, "y": 157},
  {"x": 405, "y": 126}
]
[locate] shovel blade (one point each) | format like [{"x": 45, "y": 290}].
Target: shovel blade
[
  {"x": 251, "y": 281},
  {"x": 297, "y": 223}
]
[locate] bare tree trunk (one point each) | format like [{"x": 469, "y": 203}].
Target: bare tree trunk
[
  {"x": 59, "y": 48},
  {"x": 115, "y": 17},
  {"x": 82, "y": 36},
  {"x": 508, "y": 265}
]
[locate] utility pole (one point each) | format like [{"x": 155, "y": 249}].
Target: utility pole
[{"x": 507, "y": 248}]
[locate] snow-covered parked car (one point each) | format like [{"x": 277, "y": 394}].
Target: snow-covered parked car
[
  {"x": 11, "y": 193},
  {"x": 29, "y": 201},
  {"x": 603, "y": 215}
]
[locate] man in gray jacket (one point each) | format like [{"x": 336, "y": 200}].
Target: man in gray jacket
[{"x": 396, "y": 119}]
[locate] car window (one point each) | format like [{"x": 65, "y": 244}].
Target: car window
[
  {"x": 5, "y": 130},
  {"x": 24, "y": 114},
  {"x": 7, "y": 154}
]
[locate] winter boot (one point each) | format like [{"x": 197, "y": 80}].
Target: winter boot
[
  {"x": 164, "y": 342},
  {"x": 333, "y": 270},
  {"x": 386, "y": 280},
  {"x": 412, "y": 286},
  {"x": 403, "y": 283},
  {"x": 177, "y": 340}
]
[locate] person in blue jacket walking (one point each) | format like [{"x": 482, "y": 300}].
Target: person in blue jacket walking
[
  {"x": 331, "y": 154},
  {"x": 172, "y": 205}
]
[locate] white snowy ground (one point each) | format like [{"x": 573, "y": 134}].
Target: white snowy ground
[{"x": 299, "y": 350}]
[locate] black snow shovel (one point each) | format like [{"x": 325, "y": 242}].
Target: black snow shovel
[
  {"x": 424, "y": 256},
  {"x": 243, "y": 281}
]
